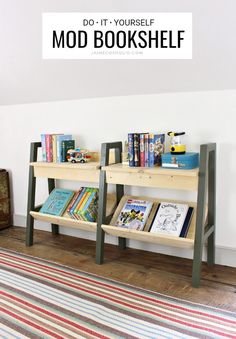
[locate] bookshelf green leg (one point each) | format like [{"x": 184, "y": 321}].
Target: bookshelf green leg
[
  {"x": 211, "y": 205},
  {"x": 31, "y": 194},
  {"x": 207, "y": 176},
  {"x": 105, "y": 150},
  {"x": 200, "y": 218},
  {"x": 119, "y": 194},
  {"x": 101, "y": 218},
  {"x": 51, "y": 186}
]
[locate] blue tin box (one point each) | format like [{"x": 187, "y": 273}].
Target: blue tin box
[{"x": 186, "y": 161}]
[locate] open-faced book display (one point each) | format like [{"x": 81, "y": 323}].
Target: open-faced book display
[
  {"x": 134, "y": 214},
  {"x": 172, "y": 219},
  {"x": 167, "y": 218}
]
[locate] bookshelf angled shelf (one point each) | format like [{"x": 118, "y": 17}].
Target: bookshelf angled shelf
[
  {"x": 202, "y": 181},
  {"x": 146, "y": 236}
]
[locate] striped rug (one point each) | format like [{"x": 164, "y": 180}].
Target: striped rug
[{"x": 41, "y": 299}]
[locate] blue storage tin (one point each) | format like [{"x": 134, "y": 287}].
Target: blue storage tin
[{"x": 186, "y": 161}]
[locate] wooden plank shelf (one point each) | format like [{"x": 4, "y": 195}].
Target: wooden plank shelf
[
  {"x": 88, "y": 172},
  {"x": 152, "y": 177},
  {"x": 65, "y": 221},
  {"x": 146, "y": 236}
]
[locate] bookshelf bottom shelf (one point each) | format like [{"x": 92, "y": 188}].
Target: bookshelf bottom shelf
[
  {"x": 149, "y": 237},
  {"x": 64, "y": 221}
]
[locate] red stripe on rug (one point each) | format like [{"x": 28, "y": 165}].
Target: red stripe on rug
[
  {"x": 128, "y": 305},
  {"x": 210, "y": 316},
  {"x": 30, "y": 323},
  {"x": 26, "y": 303}
]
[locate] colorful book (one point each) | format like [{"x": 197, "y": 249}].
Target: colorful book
[
  {"x": 65, "y": 146},
  {"x": 136, "y": 150},
  {"x": 134, "y": 214},
  {"x": 54, "y": 146},
  {"x": 48, "y": 142},
  {"x": 142, "y": 150},
  {"x": 151, "y": 150},
  {"x": 86, "y": 212},
  {"x": 43, "y": 145},
  {"x": 169, "y": 218},
  {"x": 75, "y": 204},
  {"x": 158, "y": 148},
  {"x": 71, "y": 204},
  {"x": 131, "y": 149},
  {"x": 146, "y": 147},
  {"x": 60, "y": 138},
  {"x": 57, "y": 202}
]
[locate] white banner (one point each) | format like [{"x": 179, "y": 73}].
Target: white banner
[{"x": 117, "y": 35}]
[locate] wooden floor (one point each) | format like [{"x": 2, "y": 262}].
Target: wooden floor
[{"x": 157, "y": 272}]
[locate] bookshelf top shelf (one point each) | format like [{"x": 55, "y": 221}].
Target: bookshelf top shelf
[
  {"x": 152, "y": 177},
  {"x": 87, "y": 166},
  {"x": 88, "y": 172},
  {"x": 151, "y": 170}
]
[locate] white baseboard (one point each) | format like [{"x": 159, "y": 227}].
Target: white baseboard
[{"x": 224, "y": 255}]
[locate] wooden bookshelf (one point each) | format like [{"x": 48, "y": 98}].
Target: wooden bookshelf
[
  {"x": 87, "y": 172},
  {"x": 201, "y": 180}
]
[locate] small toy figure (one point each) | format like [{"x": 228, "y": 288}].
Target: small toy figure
[
  {"x": 78, "y": 155},
  {"x": 176, "y": 146}
]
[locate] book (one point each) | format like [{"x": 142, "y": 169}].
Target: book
[
  {"x": 187, "y": 222},
  {"x": 134, "y": 214},
  {"x": 136, "y": 150},
  {"x": 131, "y": 149},
  {"x": 48, "y": 142},
  {"x": 54, "y": 146},
  {"x": 43, "y": 145},
  {"x": 142, "y": 150},
  {"x": 72, "y": 202},
  {"x": 60, "y": 138},
  {"x": 57, "y": 202},
  {"x": 151, "y": 150},
  {"x": 169, "y": 218},
  {"x": 158, "y": 148},
  {"x": 146, "y": 148},
  {"x": 65, "y": 146}
]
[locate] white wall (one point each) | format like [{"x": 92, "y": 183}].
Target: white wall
[{"x": 205, "y": 116}]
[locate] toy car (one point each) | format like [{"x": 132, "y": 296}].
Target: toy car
[{"x": 78, "y": 155}]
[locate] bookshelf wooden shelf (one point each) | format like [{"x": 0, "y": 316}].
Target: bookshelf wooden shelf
[
  {"x": 88, "y": 172},
  {"x": 146, "y": 236},
  {"x": 200, "y": 180}
]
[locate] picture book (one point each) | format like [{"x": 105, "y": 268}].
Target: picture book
[
  {"x": 134, "y": 214},
  {"x": 57, "y": 201},
  {"x": 65, "y": 146},
  {"x": 169, "y": 218},
  {"x": 158, "y": 147},
  {"x": 60, "y": 138}
]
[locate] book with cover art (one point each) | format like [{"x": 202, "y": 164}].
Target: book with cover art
[
  {"x": 57, "y": 202},
  {"x": 134, "y": 214},
  {"x": 170, "y": 218}
]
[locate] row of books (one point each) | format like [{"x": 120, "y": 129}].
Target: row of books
[
  {"x": 168, "y": 218},
  {"x": 81, "y": 205},
  {"x": 145, "y": 149},
  {"x": 55, "y": 147}
]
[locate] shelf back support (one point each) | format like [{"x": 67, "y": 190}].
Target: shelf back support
[
  {"x": 206, "y": 193},
  {"x": 105, "y": 160}
]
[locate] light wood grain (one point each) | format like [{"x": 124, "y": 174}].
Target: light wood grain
[
  {"x": 152, "y": 177},
  {"x": 146, "y": 236},
  {"x": 88, "y": 172},
  {"x": 65, "y": 221}
]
